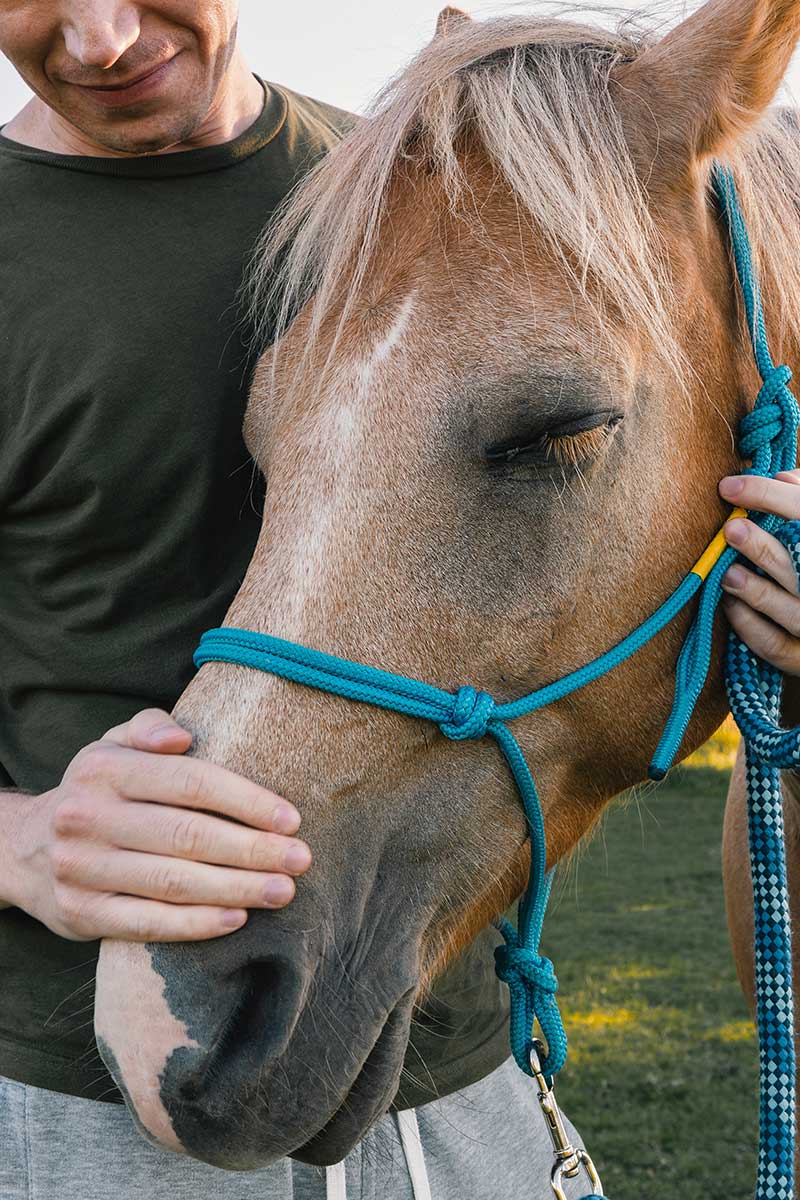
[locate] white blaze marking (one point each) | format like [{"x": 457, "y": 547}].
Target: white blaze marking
[
  {"x": 132, "y": 1014},
  {"x": 336, "y": 442},
  {"x": 133, "y": 1018},
  {"x": 395, "y": 334}
]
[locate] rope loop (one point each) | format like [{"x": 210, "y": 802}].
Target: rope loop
[
  {"x": 532, "y": 987},
  {"x": 469, "y": 720}
]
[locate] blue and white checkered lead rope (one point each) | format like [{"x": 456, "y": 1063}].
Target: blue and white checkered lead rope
[{"x": 768, "y": 438}]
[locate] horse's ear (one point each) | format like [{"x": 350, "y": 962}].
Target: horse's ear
[
  {"x": 698, "y": 90},
  {"x": 448, "y": 19}
]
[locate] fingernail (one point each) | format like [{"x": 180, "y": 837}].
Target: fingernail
[
  {"x": 278, "y": 890},
  {"x": 734, "y": 577},
  {"x": 297, "y": 858},
  {"x": 164, "y": 731},
  {"x": 736, "y": 531},
  {"x": 731, "y": 486},
  {"x": 233, "y": 917},
  {"x": 286, "y": 819}
]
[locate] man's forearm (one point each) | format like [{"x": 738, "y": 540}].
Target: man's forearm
[{"x": 10, "y": 813}]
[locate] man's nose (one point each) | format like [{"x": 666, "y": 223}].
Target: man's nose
[{"x": 98, "y": 32}]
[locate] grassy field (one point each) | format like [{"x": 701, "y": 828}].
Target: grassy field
[{"x": 662, "y": 1076}]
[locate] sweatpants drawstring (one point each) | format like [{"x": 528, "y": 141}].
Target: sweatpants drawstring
[
  {"x": 335, "y": 1182},
  {"x": 410, "y": 1140},
  {"x": 408, "y": 1125}
]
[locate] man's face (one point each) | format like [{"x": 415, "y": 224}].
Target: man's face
[{"x": 134, "y": 77}]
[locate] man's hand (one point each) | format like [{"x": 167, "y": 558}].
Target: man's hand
[
  {"x": 764, "y": 610},
  {"x": 128, "y": 846}
]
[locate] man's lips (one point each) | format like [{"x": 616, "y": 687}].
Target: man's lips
[{"x": 119, "y": 95}]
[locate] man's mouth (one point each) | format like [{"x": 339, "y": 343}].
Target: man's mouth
[{"x": 130, "y": 91}]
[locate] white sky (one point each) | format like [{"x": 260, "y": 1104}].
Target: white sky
[{"x": 339, "y": 52}]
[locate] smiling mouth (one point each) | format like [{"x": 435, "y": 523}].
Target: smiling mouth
[{"x": 132, "y": 89}]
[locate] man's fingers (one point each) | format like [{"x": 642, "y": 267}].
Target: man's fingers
[
  {"x": 133, "y": 920},
  {"x": 765, "y": 639},
  {"x": 763, "y": 550},
  {"x": 765, "y": 596},
  {"x": 780, "y": 495},
  {"x": 185, "y": 782},
  {"x": 155, "y": 877},
  {"x": 184, "y": 834},
  {"x": 153, "y": 730}
]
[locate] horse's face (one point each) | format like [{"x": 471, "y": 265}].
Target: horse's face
[{"x": 481, "y": 487}]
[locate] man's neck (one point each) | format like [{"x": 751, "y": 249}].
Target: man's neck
[{"x": 237, "y": 105}]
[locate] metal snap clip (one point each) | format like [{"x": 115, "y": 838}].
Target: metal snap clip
[{"x": 570, "y": 1161}]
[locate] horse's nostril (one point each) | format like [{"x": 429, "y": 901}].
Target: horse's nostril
[
  {"x": 269, "y": 1005},
  {"x": 266, "y": 999}
]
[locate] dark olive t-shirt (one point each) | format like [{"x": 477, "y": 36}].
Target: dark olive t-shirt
[{"x": 129, "y": 512}]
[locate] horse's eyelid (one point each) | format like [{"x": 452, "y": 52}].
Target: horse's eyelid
[{"x": 605, "y": 422}]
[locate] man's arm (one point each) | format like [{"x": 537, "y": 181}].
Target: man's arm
[
  {"x": 128, "y": 846},
  {"x": 9, "y": 816}
]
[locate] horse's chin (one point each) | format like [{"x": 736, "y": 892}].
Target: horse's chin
[{"x": 364, "y": 1104}]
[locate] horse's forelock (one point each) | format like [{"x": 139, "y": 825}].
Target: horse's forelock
[{"x": 535, "y": 92}]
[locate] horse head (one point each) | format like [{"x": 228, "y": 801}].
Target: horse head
[{"x": 510, "y": 364}]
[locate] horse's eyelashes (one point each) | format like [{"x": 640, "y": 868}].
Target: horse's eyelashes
[
  {"x": 568, "y": 444},
  {"x": 576, "y": 448}
]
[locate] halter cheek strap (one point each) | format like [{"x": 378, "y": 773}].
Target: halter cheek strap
[{"x": 769, "y": 440}]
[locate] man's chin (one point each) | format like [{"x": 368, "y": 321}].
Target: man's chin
[
  {"x": 138, "y": 138},
  {"x": 148, "y": 129}
]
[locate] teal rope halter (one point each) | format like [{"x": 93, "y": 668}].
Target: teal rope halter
[{"x": 769, "y": 439}]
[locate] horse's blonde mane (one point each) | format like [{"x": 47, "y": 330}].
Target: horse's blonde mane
[{"x": 535, "y": 91}]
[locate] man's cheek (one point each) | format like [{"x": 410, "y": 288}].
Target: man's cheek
[
  {"x": 27, "y": 46},
  {"x": 212, "y": 23},
  {"x": 30, "y": 69}
]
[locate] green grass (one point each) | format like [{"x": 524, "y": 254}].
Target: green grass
[{"x": 662, "y": 1074}]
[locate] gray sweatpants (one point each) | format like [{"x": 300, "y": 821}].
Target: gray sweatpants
[{"x": 487, "y": 1142}]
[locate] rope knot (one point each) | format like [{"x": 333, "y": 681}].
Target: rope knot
[
  {"x": 517, "y": 966},
  {"x": 772, "y": 416},
  {"x": 470, "y": 717}
]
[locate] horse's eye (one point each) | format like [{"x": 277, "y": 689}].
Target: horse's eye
[{"x": 568, "y": 444}]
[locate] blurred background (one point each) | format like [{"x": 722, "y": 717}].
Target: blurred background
[
  {"x": 662, "y": 1076},
  {"x": 341, "y": 52}
]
